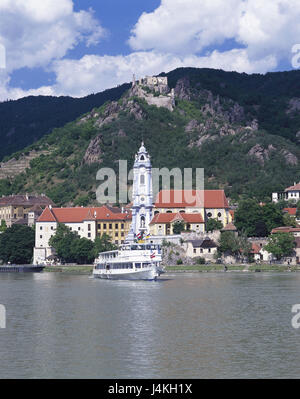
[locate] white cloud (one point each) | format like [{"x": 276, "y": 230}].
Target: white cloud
[
  {"x": 93, "y": 73},
  {"x": 36, "y": 32},
  {"x": 177, "y": 34},
  {"x": 264, "y": 28}
]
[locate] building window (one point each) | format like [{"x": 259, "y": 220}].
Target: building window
[
  {"x": 209, "y": 250},
  {"x": 122, "y": 226},
  {"x": 209, "y": 214},
  {"x": 41, "y": 236},
  {"x": 104, "y": 225},
  {"x": 41, "y": 228},
  {"x": 78, "y": 228},
  {"x": 201, "y": 250},
  {"x": 142, "y": 179},
  {"x": 89, "y": 235},
  {"x": 110, "y": 226},
  {"x": 169, "y": 212},
  {"x": 116, "y": 225},
  {"x": 52, "y": 228},
  {"x": 99, "y": 225},
  {"x": 195, "y": 250},
  {"x": 89, "y": 227},
  {"x": 116, "y": 242},
  {"x": 219, "y": 214},
  {"x": 122, "y": 234}
]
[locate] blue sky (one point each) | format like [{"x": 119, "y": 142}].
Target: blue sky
[{"x": 76, "y": 47}]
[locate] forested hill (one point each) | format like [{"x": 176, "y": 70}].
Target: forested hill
[
  {"x": 242, "y": 129},
  {"x": 24, "y": 121},
  {"x": 273, "y": 99}
]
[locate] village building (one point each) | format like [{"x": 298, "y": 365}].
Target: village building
[
  {"x": 87, "y": 222},
  {"x": 290, "y": 193},
  {"x": 195, "y": 207},
  {"x": 22, "y": 209},
  {"x": 205, "y": 248},
  {"x": 162, "y": 224},
  {"x": 287, "y": 229}
]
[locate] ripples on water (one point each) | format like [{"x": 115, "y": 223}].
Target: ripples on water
[{"x": 223, "y": 325}]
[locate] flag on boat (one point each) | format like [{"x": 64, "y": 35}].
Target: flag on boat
[
  {"x": 139, "y": 236},
  {"x": 152, "y": 255}
]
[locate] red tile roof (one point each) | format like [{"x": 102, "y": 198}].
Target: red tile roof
[
  {"x": 229, "y": 227},
  {"x": 232, "y": 212},
  {"x": 286, "y": 229},
  {"x": 26, "y": 200},
  {"x": 80, "y": 214},
  {"x": 172, "y": 217},
  {"x": 256, "y": 248},
  {"x": 191, "y": 198},
  {"x": 296, "y": 187},
  {"x": 290, "y": 211}
]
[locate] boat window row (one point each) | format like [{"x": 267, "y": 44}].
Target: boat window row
[
  {"x": 123, "y": 265},
  {"x": 136, "y": 247}
]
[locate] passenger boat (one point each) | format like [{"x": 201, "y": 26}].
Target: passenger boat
[{"x": 130, "y": 262}]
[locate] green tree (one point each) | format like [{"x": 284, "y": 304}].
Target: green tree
[
  {"x": 178, "y": 227},
  {"x": 83, "y": 250},
  {"x": 280, "y": 244},
  {"x": 289, "y": 220},
  {"x": 213, "y": 224},
  {"x": 298, "y": 210},
  {"x": 3, "y": 226},
  {"x": 102, "y": 244},
  {"x": 272, "y": 216},
  {"x": 70, "y": 247},
  {"x": 249, "y": 218},
  {"x": 229, "y": 243},
  {"x": 16, "y": 244}
]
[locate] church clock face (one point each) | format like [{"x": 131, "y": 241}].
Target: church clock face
[{"x": 142, "y": 199}]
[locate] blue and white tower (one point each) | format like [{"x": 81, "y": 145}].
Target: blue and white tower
[{"x": 142, "y": 196}]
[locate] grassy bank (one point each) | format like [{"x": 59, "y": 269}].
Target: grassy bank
[
  {"x": 87, "y": 269},
  {"x": 80, "y": 269},
  {"x": 237, "y": 268}
]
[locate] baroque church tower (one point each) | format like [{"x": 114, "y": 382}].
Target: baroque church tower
[{"x": 142, "y": 196}]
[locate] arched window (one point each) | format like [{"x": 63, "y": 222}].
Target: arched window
[
  {"x": 142, "y": 221},
  {"x": 156, "y": 212},
  {"x": 209, "y": 214},
  {"x": 142, "y": 179},
  {"x": 169, "y": 212},
  {"x": 142, "y": 158}
]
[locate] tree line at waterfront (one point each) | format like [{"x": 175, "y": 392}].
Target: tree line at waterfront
[{"x": 251, "y": 220}]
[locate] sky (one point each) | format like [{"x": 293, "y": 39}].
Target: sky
[{"x": 79, "y": 47}]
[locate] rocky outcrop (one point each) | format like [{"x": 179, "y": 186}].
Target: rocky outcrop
[
  {"x": 93, "y": 152},
  {"x": 290, "y": 158},
  {"x": 293, "y": 106},
  {"x": 261, "y": 154},
  {"x": 182, "y": 89}
]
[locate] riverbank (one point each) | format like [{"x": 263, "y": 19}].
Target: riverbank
[
  {"x": 80, "y": 269},
  {"x": 87, "y": 269},
  {"x": 233, "y": 268}
]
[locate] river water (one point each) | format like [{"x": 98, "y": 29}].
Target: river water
[{"x": 202, "y": 325}]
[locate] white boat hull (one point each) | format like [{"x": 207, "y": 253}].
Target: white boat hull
[{"x": 150, "y": 274}]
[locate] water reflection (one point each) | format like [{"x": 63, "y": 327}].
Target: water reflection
[{"x": 186, "y": 326}]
